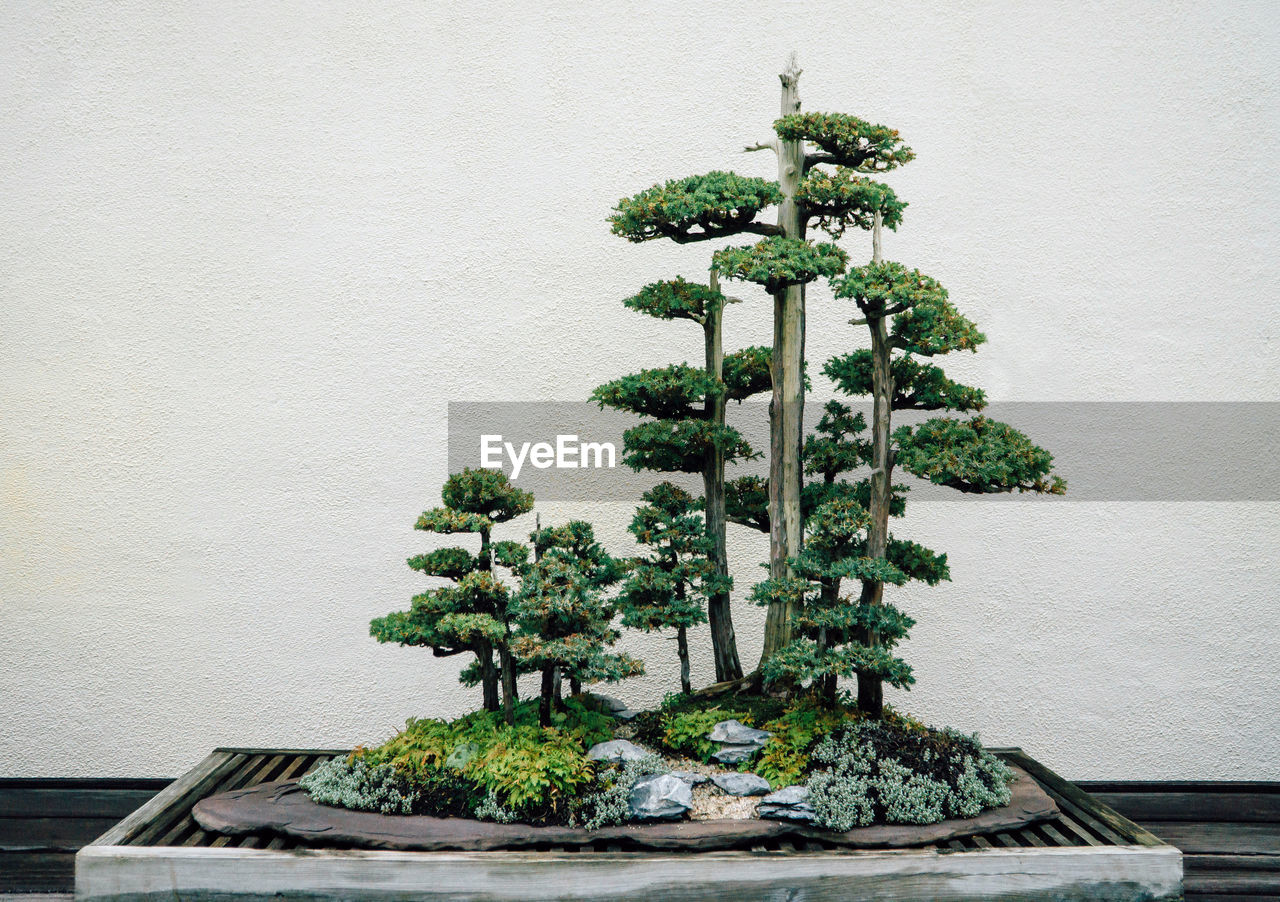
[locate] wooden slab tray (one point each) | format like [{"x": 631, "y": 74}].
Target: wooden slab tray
[{"x": 283, "y": 808}]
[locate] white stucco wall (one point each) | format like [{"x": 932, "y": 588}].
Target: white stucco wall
[{"x": 248, "y": 252}]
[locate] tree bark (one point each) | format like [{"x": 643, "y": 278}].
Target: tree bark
[
  {"x": 507, "y": 664},
  {"x": 488, "y": 675},
  {"x": 724, "y": 644},
  {"x": 682, "y": 648},
  {"x": 786, "y": 408},
  {"x": 870, "y": 687},
  {"x": 544, "y": 698}
]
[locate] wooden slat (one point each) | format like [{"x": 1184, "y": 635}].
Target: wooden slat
[
  {"x": 185, "y": 790},
  {"x": 1199, "y": 807},
  {"x": 524, "y": 877},
  {"x": 1093, "y": 813},
  {"x": 1227, "y": 874},
  {"x": 1052, "y": 833},
  {"x": 37, "y": 872},
  {"x": 181, "y": 826},
  {"x": 51, "y": 834},
  {"x": 1072, "y": 828},
  {"x": 328, "y": 753},
  {"x": 1220, "y": 838},
  {"x": 59, "y": 801}
]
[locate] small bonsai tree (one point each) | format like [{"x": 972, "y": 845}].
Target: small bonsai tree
[
  {"x": 686, "y": 429},
  {"x": 669, "y": 588},
  {"x": 473, "y": 615},
  {"x": 565, "y": 622}
]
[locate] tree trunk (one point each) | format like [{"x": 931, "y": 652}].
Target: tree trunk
[
  {"x": 870, "y": 689},
  {"x": 575, "y": 686},
  {"x": 488, "y": 675},
  {"x": 786, "y": 408},
  {"x": 682, "y": 648},
  {"x": 544, "y": 699},
  {"x": 558, "y": 689},
  {"x": 507, "y": 664},
  {"x": 724, "y": 645}
]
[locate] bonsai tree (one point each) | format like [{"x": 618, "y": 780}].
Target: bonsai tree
[
  {"x": 668, "y": 589},
  {"x": 565, "y": 622},
  {"x": 824, "y": 163},
  {"x": 723, "y": 204},
  {"x": 909, "y": 316},
  {"x": 686, "y": 429},
  {"x": 473, "y": 615}
]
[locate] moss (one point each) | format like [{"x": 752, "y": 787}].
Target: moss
[
  {"x": 473, "y": 766},
  {"x": 899, "y": 772},
  {"x": 606, "y": 803}
]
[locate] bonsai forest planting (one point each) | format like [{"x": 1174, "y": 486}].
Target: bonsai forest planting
[{"x": 797, "y": 729}]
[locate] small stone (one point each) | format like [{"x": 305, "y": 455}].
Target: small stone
[
  {"x": 787, "y": 797},
  {"x": 461, "y": 754},
  {"x": 609, "y": 703},
  {"x": 735, "y": 733},
  {"x": 737, "y": 784},
  {"x": 788, "y": 804},
  {"x": 690, "y": 777},
  {"x": 616, "y": 750},
  {"x": 660, "y": 797},
  {"x": 785, "y": 813},
  {"x": 735, "y": 754}
]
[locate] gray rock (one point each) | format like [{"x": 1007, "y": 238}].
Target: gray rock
[
  {"x": 735, "y": 754},
  {"x": 616, "y": 750},
  {"x": 788, "y": 804},
  {"x": 461, "y": 754},
  {"x": 690, "y": 777},
  {"x": 737, "y": 784},
  {"x": 660, "y": 797},
  {"x": 734, "y": 733},
  {"x": 626, "y": 714},
  {"x": 776, "y": 813},
  {"x": 609, "y": 703},
  {"x": 787, "y": 797}
]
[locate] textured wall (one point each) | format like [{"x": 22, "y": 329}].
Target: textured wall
[{"x": 249, "y": 251}]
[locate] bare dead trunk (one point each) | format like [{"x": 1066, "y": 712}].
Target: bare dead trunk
[
  {"x": 724, "y": 644},
  {"x": 786, "y": 408},
  {"x": 870, "y": 688}
]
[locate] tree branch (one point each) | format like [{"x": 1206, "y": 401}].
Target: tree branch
[
  {"x": 709, "y": 231},
  {"x": 448, "y": 652},
  {"x": 763, "y": 145},
  {"x": 813, "y": 159}
]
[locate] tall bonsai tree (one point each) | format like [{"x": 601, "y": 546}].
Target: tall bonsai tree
[
  {"x": 824, "y": 160},
  {"x": 473, "y": 615},
  {"x": 723, "y": 204},
  {"x": 909, "y": 316},
  {"x": 668, "y": 588},
  {"x": 565, "y": 622},
  {"x": 686, "y": 431}
]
